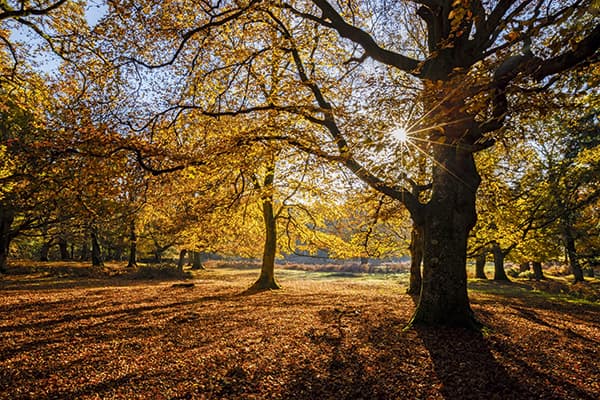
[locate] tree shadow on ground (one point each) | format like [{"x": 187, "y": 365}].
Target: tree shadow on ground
[
  {"x": 467, "y": 369},
  {"x": 421, "y": 362}
]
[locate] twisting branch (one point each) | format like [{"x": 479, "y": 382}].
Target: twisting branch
[
  {"x": 8, "y": 12},
  {"x": 215, "y": 21},
  {"x": 332, "y": 19},
  {"x": 329, "y": 122}
]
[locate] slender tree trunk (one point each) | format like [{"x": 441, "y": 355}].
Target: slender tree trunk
[
  {"x": 480, "y": 265},
  {"x": 181, "y": 261},
  {"x": 499, "y": 273},
  {"x": 572, "y": 255},
  {"x": 416, "y": 259},
  {"x": 537, "y": 270},
  {"x": 6, "y": 220},
  {"x": 96, "y": 252},
  {"x": 449, "y": 217},
  {"x": 266, "y": 280},
  {"x": 132, "y": 263},
  {"x": 64, "y": 249}
]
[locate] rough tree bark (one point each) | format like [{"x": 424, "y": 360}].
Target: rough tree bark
[{"x": 449, "y": 217}]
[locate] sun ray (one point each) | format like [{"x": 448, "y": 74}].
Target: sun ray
[{"x": 429, "y": 156}]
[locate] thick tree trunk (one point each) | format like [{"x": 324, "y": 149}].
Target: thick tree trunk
[
  {"x": 132, "y": 262},
  {"x": 480, "y": 265},
  {"x": 6, "y": 220},
  {"x": 569, "y": 239},
  {"x": 196, "y": 258},
  {"x": 64, "y": 249},
  {"x": 499, "y": 273},
  {"x": 449, "y": 217},
  {"x": 96, "y": 252},
  {"x": 537, "y": 270},
  {"x": 181, "y": 261},
  {"x": 416, "y": 259}
]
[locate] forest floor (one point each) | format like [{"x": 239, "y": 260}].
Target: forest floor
[{"x": 66, "y": 335}]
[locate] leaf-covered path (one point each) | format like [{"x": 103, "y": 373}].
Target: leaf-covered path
[{"x": 319, "y": 338}]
